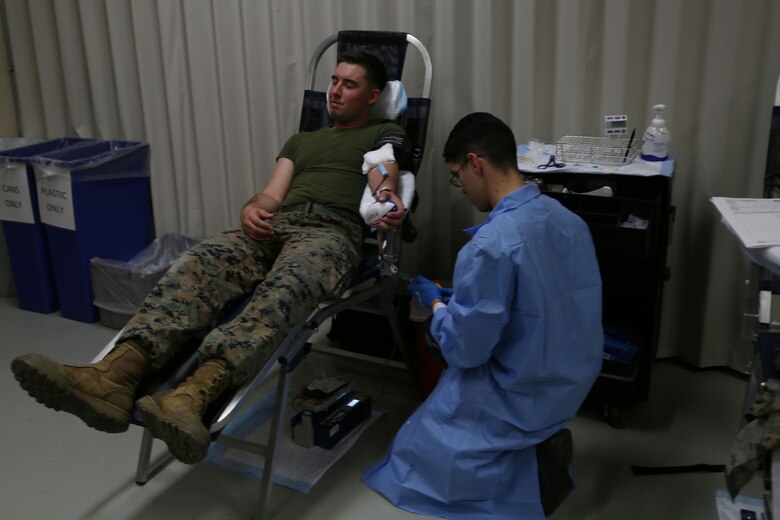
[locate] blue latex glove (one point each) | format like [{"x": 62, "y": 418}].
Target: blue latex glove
[{"x": 425, "y": 291}]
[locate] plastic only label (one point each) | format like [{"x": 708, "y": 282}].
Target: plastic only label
[
  {"x": 55, "y": 200},
  {"x": 15, "y": 201}
]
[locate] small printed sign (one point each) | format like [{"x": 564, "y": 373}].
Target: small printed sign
[
  {"x": 55, "y": 198},
  {"x": 15, "y": 201}
]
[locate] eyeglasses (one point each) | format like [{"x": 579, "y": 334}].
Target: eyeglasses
[{"x": 455, "y": 179}]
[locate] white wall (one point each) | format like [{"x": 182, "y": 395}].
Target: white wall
[
  {"x": 777, "y": 94},
  {"x": 7, "y": 129},
  {"x": 7, "y": 108}
]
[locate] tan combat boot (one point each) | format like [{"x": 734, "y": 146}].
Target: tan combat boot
[
  {"x": 175, "y": 416},
  {"x": 100, "y": 394}
]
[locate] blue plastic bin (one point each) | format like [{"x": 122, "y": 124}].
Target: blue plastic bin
[
  {"x": 95, "y": 201},
  {"x": 28, "y": 250}
]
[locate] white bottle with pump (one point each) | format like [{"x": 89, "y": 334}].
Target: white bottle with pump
[{"x": 655, "y": 142}]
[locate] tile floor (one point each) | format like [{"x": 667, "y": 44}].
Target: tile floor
[{"x": 55, "y": 468}]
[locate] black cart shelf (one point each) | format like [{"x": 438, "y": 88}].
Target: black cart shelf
[{"x": 632, "y": 263}]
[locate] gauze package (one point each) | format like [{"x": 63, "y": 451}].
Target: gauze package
[
  {"x": 392, "y": 103},
  {"x": 741, "y": 508},
  {"x": 373, "y": 211}
]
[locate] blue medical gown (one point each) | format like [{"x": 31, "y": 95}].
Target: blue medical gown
[{"x": 523, "y": 339}]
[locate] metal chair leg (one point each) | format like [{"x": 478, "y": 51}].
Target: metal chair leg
[
  {"x": 146, "y": 468},
  {"x": 144, "y": 457},
  {"x": 275, "y": 434}
]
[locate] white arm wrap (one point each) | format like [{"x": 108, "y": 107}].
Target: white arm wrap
[{"x": 380, "y": 155}]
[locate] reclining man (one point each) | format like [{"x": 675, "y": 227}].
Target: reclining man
[
  {"x": 299, "y": 243},
  {"x": 521, "y": 335}
]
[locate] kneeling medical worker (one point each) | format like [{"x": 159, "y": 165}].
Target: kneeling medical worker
[{"x": 521, "y": 335}]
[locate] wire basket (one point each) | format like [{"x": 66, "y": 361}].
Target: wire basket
[{"x": 597, "y": 150}]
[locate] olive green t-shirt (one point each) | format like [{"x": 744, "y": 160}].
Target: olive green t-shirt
[{"x": 327, "y": 165}]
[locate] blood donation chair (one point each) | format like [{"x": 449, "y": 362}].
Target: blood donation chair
[{"x": 375, "y": 291}]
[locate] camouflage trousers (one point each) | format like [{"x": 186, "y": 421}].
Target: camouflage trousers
[
  {"x": 311, "y": 258},
  {"x": 755, "y": 441},
  {"x": 751, "y": 450}
]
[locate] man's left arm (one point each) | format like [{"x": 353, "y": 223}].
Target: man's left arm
[{"x": 383, "y": 179}]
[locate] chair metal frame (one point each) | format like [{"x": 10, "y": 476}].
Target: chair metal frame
[{"x": 377, "y": 298}]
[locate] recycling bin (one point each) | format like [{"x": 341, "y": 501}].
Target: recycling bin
[
  {"x": 94, "y": 201},
  {"x": 120, "y": 287},
  {"x": 28, "y": 251}
]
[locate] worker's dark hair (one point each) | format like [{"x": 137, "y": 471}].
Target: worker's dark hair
[
  {"x": 483, "y": 134},
  {"x": 375, "y": 70}
]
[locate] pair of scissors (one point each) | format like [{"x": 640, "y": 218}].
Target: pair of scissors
[{"x": 551, "y": 164}]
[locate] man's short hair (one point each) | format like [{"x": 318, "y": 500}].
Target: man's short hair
[
  {"x": 375, "y": 70},
  {"x": 483, "y": 134}
]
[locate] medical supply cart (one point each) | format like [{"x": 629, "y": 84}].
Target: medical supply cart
[{"x": 627, "y": 207}]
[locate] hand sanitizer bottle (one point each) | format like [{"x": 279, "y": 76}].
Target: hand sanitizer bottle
[{"x": 655, "y": 142}]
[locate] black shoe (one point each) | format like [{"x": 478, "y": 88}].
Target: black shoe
[{"x": 553, "y": 457}]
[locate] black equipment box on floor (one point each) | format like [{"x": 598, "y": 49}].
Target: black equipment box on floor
[{"x": 327, "y": 427}]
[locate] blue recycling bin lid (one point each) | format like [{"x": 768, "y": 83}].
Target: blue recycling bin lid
[
  {"x": 95, "y": 159},
  {"x": 25, "y": 154}
]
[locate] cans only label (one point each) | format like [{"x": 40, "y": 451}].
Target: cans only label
[
  {"x": 55, "y": 200},
  {"x": 15, "y": 201}
]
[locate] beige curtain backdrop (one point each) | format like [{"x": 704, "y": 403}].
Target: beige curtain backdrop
[{"x": 215, "y": 86}]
